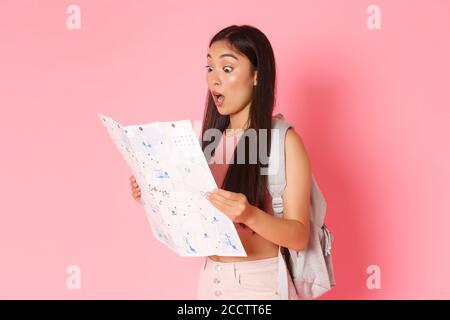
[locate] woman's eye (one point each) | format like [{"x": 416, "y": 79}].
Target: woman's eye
[{"x": 225, "y": 68}]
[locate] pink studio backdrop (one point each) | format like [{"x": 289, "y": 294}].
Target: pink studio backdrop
[{"x": 372, "y": 107}]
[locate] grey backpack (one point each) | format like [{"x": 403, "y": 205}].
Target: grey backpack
[{"x": 311, "y": 269}]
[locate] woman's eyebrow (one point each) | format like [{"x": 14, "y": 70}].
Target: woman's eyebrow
[{"x": 224, "y": 55}]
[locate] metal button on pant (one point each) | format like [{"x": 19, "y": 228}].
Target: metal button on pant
[{"x": 216, "y": 280}]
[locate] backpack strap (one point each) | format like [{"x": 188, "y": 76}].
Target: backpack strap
[
  {"x": 276, "y": 184},
  {"x": 277, "y": 177},
  {"x": 316, "y": 259}
]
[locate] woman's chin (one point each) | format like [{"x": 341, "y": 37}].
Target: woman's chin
[{"x": 222, "y": 110}]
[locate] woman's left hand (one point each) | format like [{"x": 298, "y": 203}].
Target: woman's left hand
[{"x": 232, "y": 204}]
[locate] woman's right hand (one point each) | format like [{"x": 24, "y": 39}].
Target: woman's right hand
[{"x": 135, "y": 190}]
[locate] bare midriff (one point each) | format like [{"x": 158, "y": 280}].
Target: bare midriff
[{"x": 255, "y": 246}]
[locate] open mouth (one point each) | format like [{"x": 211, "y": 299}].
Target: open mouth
[{"x": 218, "y": 99}]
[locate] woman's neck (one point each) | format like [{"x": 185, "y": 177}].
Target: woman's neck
[{"x": 240, "y": 119}]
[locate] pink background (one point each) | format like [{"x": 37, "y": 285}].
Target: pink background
[{"x": 372, "y": 107}]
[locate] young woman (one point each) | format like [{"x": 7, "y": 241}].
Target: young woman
[{"x": 241, "y": 95}]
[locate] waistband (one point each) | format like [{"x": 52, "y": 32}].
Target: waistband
[{"x": 243, "y": 265}]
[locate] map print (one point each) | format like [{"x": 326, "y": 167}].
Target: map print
[{"x": 171, "y": 170}]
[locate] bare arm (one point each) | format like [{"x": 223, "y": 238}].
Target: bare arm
[{"x": 292, "y": 231}]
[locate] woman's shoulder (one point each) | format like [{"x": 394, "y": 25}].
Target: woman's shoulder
[
  {"x": 294, "y": 140},
  {"x": 295, "y": 148}
]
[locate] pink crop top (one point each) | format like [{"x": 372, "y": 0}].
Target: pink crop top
[{"x": 224, "y": 151}]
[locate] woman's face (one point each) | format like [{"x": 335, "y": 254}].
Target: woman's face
[{"x": 230, "y": 74}]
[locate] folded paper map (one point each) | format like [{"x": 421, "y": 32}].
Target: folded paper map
[{"x": 171, "y": 170}]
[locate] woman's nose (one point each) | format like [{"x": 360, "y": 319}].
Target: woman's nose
[{"x": 215, "y": 79}]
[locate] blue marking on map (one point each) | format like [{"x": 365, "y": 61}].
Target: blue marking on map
[
  {"x": 189, "y": 245},
  {"x": 148, "y": 145},
  {"x": 161, "y": 174},
  {"x": 229, "y": 241}
]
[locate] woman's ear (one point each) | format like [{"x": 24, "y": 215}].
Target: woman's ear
[{"x": 255, "y": 78}]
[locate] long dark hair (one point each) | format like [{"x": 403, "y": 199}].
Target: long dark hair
[{"x": 246, "y": 178}]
